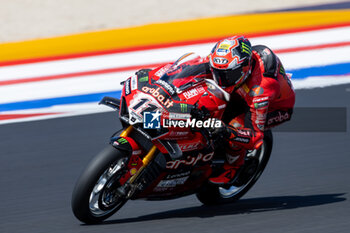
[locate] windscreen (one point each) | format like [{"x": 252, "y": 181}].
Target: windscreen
[
  {"x": 188, "y": 71},
  {"x": 183, "y": 73}
]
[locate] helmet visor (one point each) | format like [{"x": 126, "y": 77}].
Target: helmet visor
[{"x": 226, "y": 78}]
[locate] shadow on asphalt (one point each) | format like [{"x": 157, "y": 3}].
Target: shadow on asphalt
[{"x": 244, "y": 206}]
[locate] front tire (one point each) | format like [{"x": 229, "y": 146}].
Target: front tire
[
  {"x": 255, "y": 164},
  {"x": 94, "y": 197}
]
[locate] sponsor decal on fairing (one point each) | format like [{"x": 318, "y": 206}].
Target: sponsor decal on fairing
[
  {"x": 190, "y": 160},
  {"x": 193, "y": 92},
  {"x": 162, "y": 70},
  {"x": 169, "y": 88},
  {"x": 161, "y": 98},
  {"x": 127, "y": 87},
  {"x": 134, "y": 82},
  {"x": 172, "y": 183},
  {"x": 189, "y": 146}
]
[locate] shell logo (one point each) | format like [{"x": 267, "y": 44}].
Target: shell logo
[{"x": 133, "y": 171}]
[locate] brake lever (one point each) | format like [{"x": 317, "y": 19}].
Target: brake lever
[{"x": 200, "y": 114}]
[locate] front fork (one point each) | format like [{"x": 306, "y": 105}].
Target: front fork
[{"x": 145, "y": 162}]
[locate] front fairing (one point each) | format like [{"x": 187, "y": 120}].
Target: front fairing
[{"x": 176, "y": 91}]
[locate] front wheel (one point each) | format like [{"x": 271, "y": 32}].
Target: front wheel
[
  {"x": 255, "y": 164},
  {"x": 95, "y": 195}
]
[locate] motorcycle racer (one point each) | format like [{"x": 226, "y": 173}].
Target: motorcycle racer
[
  {"x": 257, "y": 82},
  {"x": 261, "y": 97},
  {"x": 243, "y": 86}
]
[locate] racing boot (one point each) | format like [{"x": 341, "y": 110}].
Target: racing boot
[{"x": 234, "y": 161}]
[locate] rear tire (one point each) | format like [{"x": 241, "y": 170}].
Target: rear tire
[
  {"x": 91, "y": 191},
  {"x": 211, "y": 195}
]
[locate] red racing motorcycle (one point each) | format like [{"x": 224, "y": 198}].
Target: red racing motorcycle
[{"x": 165, "y": 149}]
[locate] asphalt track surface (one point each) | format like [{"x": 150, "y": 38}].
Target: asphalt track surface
[{"x": 305, "y": 187}]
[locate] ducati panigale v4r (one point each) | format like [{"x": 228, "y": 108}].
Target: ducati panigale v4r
[{"x": 155, "y": 157}]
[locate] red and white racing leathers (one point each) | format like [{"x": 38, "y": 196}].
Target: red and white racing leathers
[{"x": 264, "y": 100}]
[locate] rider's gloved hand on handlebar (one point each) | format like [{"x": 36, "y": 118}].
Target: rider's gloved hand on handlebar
[{"x": 219, "y": 132}]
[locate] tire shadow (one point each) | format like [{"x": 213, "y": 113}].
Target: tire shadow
[{"x": 244, "y": 206}]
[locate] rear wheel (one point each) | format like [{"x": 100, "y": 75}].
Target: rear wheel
[
  {"x": 255, "y": 164},
  {"x": 95, "y": 195}
]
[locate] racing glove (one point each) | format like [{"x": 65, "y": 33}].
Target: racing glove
[
  {"x": 244, "y": 137},
  {"x": 219, "y": 132}
]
